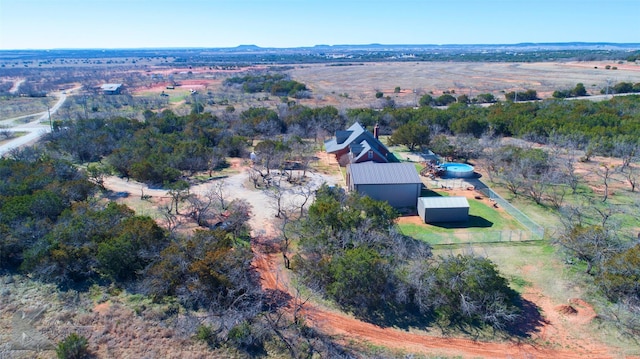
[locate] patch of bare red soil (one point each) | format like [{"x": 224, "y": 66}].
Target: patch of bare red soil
[{"x": 566, "y": 309}]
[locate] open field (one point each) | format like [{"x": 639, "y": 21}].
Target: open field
[
  {"x": 355, "y": 85},
  {"x": 361, "y": 81}
]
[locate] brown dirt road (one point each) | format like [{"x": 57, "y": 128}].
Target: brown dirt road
[{"x": 342, "y": 325}]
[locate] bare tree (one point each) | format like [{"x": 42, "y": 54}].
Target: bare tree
[
  {"x": 626, "y": 150},
  {"x": 604, "y": 172},
  {"x": 590, "y": 244},
  {"x": 218, "y": 193},
  {"x": 254, "y": 175},
  {"x": 305, "y": 192},
  {"x": 171, "y": 221},
  {"x": 178, "y": 192},
  {"x": 632, "y": 175},
  {"x": 277, "y": 192},
  {"x": 201, "y": 208}
]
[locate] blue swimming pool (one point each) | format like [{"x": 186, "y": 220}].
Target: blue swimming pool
[{"x": 458, "y": 170}]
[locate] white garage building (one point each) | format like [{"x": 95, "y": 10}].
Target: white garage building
[{"x": 443, "y": 209}]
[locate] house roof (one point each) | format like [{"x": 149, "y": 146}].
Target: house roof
[
  {"x": 110, "y": 87},
  {"x": 383, "y": 173},
  {"x": 445, "y": 202},
  {"x": 360, "y": 150},
  {"x": 354, "y": 134}
]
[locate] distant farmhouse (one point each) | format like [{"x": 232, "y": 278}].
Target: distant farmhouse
[
  {"x": 356, "y": 145},
  {"x": 111, "y": 89},
  {"x": 397, "y": 183}
]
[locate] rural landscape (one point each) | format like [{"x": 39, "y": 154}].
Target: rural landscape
[{"x": 198, "y": 203}]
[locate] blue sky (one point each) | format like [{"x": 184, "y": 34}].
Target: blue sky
[{"x": 48, "y": 24}]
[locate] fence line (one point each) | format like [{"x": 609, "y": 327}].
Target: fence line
[
  {"x": 535, "y": 228},
  {"x": 477, "y": 237}
]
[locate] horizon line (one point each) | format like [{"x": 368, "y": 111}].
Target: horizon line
[{"x": 240, "y": 46}]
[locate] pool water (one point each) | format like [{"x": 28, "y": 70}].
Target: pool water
[{"x": 458, "y": 170}]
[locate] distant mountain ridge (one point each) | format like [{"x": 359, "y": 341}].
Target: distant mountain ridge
[{"x": 250, "y": 53}]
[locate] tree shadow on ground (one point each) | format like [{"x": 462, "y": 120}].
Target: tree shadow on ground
[
  {"x": 473, "y": 222},
  {"x": 396, "y": 316},
  {"x": 275, "y": 299},
  {"x": 404, "y": 317},
  {"x": 531, "y": 320},
  {"x": 113, "y": 196}
]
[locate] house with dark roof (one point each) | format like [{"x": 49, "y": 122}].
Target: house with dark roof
[
  {"x": 443, "y": 209},
  {"x": 397, "y": 183},
  {"x": 111, "y": 89},
  {"x": 356, "y": 145}
]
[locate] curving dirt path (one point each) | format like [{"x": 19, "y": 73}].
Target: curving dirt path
[
  {"x": 554, "y": 332},
  {"x": 342, "y": 325}
]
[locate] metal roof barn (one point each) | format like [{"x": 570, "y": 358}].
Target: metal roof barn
[{"x": 397, "y": 183}]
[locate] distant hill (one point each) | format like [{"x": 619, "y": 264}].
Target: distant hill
[{"x": 521, "y": 52}]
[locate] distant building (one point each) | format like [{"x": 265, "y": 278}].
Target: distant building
[
  {"x": 356, "y": 145},
  {"x": 111, "y": 89},
  {"x": 397, "y": 183},
  {"x": 443, "y": 209}
]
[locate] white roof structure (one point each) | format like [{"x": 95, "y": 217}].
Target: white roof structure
[
  {"x": 445, "y": 202},
  {"x": 110, "y": 87}
]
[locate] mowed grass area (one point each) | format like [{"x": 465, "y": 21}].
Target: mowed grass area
[
  {"x": 174, "y": 96},
  {"x": 485, "y": 224}
]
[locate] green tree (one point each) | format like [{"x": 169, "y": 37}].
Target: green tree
[
  {"x": 445, "y": 100},
  {"x": 426, "y": 100},
  {"x": 359, "y": 277},
  {"x": 74, "y": 346},
  {"x": 469, "y": 289},
  {"x": 412, "y": 135},
  {"x": 579, "y": 90},
  {"x": 620, "y": 275}
]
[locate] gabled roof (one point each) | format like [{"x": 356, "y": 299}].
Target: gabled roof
[
  {"x": 445, "y": 202},
  {"x": 354, "y": 134},
  {"x": 383, "y": 173},
  {"x": 360, "y": 150}
]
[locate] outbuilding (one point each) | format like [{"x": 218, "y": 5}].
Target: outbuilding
[
  {"x": 111, "y": 89},
  {"x": 397, "y": 183},
  {"x": 443, "y": 209}
]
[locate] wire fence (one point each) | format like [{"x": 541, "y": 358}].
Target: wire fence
[
  {"x": 459, "y": 237},
  {"x": 535, "y": 228}
]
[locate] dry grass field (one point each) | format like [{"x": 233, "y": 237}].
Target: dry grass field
[{"x": 361, "y": 81}]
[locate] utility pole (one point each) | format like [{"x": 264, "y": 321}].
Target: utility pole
[
  {"x": 49, "y": 113},
  {"x": 84, "y": 105}
]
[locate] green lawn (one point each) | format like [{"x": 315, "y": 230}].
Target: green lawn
[{"x": 486, "y": 224}]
